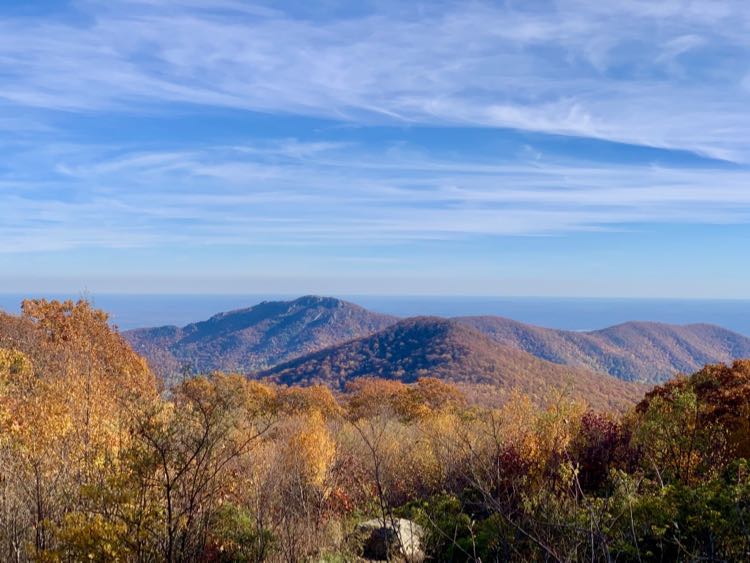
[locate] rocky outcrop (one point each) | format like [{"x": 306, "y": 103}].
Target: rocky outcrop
[{"x": 396, "y": 538}]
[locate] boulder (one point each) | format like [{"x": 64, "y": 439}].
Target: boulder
[{"x": 396, "y": 538}]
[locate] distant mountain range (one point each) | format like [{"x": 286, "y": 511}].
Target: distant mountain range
[
  {"x": 259, "y": 337},
  {"x": 264, "y": 338},
  {"x": 453, "y": 352},
  {"x": 634, "y": 351}
]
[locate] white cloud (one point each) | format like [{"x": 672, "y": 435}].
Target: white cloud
[
  {"x": 573, "y": 67},
  {"x": 291, "y": 193},
  {"x": 679, "y": 46}
]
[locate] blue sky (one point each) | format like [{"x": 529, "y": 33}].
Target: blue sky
[{"x": 570, "y": 147}]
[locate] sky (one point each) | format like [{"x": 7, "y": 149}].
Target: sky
[{"x": 536, "y": 148}]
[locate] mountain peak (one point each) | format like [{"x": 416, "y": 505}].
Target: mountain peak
[
  {"x": 321, "y": 301},
  {"x": 247, "y": 339}
]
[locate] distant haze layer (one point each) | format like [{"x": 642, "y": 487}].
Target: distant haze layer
[{"x": 135, "y": 311}]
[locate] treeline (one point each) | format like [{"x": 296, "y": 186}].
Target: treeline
[{"x": 98, "y": 463}]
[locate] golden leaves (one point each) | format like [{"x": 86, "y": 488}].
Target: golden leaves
[{"x": 309, "y": 449}]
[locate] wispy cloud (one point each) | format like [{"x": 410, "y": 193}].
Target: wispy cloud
[
  {"x": 289, "y": 193},
  {"x": 664, "y": 74}
]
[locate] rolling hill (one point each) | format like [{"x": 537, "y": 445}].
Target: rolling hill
[
  {"x": 453, "y": 352},
  {"x": 271, "y": 333},
  {"x": 255, "y": 338},
  {"x": 633, "y": 351}
]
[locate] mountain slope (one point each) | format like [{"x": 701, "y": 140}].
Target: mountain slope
[
  {"x": 435, "y": 347},
  {"x": 634, "y": 351},
  {"x": 274, "y": 332},
  {"x": 254, "y": 338}
]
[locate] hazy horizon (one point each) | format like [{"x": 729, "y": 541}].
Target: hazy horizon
[{"x": 129, "y": 311}]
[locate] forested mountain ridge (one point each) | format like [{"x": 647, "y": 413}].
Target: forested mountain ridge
[
  {"x": 452, "y": 352},
  {"x": 275, "y": 332},
  {"x": 257, "y": 337},
  {"x": 634, "y": 351}
]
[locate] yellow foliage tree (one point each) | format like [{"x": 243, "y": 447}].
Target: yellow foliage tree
[{"x": 310, "y": 449}]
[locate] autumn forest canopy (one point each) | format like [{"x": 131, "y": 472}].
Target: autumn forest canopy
[{"x": 101, "y": 460}]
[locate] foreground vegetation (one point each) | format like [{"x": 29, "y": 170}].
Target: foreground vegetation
[{"x": 98, "y": 463}]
